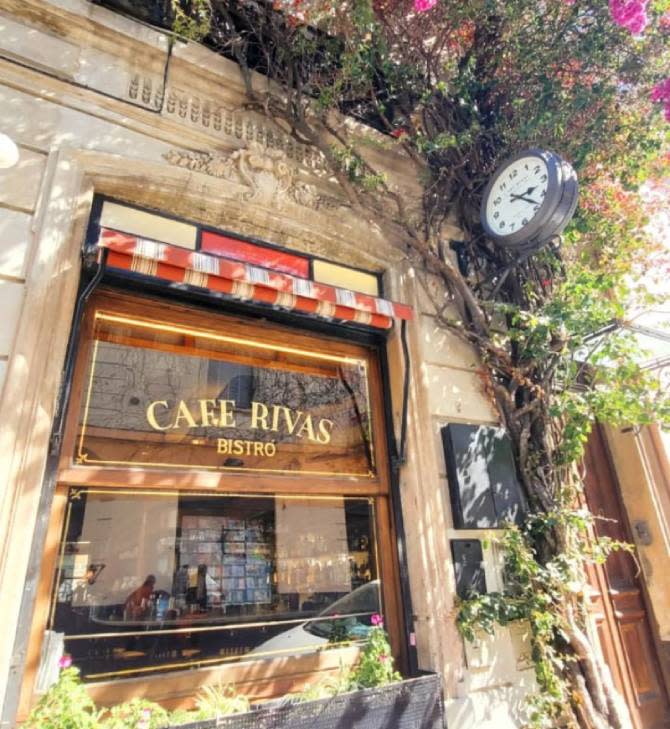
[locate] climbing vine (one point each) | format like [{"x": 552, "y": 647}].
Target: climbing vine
[{"x": 456, "y": 87}]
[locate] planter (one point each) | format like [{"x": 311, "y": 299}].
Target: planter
[{"x": 412, "y": 704}]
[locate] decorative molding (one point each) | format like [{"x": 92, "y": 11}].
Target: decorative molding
[
  {"x": 146, "y": 91},
  {"x": 272, "y": 178},
  {"x": 215, "y": 118}
]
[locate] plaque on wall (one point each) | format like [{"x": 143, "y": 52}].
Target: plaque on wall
[
  {"x": 162, "y": 396},
  {"x": 483, "y": 484},
  {"x": 468, "y": 567}
]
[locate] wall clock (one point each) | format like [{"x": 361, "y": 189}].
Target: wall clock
[{"x": 529, "y": 200}]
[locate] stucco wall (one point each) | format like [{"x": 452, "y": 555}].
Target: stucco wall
[
  {"x": 485, "y": 682},
  {"x": 96, "y": 102}
]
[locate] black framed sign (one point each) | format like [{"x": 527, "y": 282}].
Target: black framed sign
[
  {"x": 468, "y": 567},
  {"x": 483, "y": 484}
]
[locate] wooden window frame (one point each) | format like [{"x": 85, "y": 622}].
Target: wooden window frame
[{"x": 260, "y": 678}]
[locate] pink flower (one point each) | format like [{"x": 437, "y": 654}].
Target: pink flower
[
  {"x": 65, "y": 661},
  {"x": 377, "y": 620},
  {"x": 630, "y": 14},
  {"x": 383, "y": 658},
  {"x": 661, "y": 92},
  {"x": 422, "y": 5}
]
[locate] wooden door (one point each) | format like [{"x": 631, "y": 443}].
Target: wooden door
[{"x": 618, "y": 603}]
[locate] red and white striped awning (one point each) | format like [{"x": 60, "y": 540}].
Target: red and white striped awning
[{"x": 247, "y": 282}]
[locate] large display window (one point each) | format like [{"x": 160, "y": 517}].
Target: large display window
[
  {"x": 222, "y": 503},
  {"x": 149, "y": 582}
]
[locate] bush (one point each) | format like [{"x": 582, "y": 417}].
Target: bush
[
  {"x": 137, "y": 714},
  {"x": 376, "y": 667},
  {"x": 66, "y": 705}
]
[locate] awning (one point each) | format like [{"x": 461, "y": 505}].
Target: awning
[{"x": 247, "y": 282}]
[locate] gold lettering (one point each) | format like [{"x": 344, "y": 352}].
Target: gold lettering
[
  {"x": 183, "y": 413},
  {"x": 151, "y": 415},
  {"x": 227, "y": 415},
  {"x": 307, "y": 427},
  {"x": 275, "y": 418},
  {"x": 291, "y": 424},
  {"x": 228, "y": 446},
  {"x": 206, "y": 415},
  {"x": 325, "y": 428},
  {"x": 259, "y": 415}
]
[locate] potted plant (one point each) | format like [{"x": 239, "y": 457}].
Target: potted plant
[{"x": 372, "y": 695}]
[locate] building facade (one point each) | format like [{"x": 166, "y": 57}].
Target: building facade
[{"x": 227, "y": 405}]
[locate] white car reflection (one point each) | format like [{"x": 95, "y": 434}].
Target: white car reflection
[{"x": 346, "y": 619}]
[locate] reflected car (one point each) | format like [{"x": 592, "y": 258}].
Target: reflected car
[{"x": 347, "y": 619}]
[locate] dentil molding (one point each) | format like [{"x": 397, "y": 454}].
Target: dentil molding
[{"x": 220, "y": 121}]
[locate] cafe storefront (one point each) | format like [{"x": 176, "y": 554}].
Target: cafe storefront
[
  {"x": 223, "y": 490},
  {"x": 224, "y": 447}
]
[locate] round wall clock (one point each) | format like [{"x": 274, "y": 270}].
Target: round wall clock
[{"x": 529, "y": 200}]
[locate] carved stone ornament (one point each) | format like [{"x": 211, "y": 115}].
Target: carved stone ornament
[{"x": 269, "y": 174}]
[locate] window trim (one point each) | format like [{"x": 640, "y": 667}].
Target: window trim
[{"x": 258, "y": 677}]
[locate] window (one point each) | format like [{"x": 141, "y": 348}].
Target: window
[
  {"x": 149, "y": 581},
  {"x": 222, "y": 497},
  {"x": 173, "y": 396}
]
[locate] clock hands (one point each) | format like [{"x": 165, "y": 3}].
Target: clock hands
[
  {"x": 525, "y": 199},
  {"x": 524, "y": 196}
]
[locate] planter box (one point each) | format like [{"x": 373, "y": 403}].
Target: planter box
[{"x": 413, "y": 704}]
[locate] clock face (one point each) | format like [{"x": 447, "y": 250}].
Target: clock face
[{"x": 516, "y": 195}]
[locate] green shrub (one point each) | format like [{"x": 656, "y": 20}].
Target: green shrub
[
  {"x": 219, "y": 700},
  {"x": 376, "y": 667},
  {"x": 137, "y": 714},
  {"x": 326, "y": 687},
  {"x": 66, "y": 705}
]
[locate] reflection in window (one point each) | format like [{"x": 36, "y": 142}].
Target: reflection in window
[
  {"x": 155, "y": 582},
  {"x": 171, "y": 397}
]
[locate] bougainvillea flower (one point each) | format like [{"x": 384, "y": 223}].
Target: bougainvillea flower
[
  {"x": 661, "y": 92},
  {"x": 65, "y": 661},
  {"x": 377, "y": 619},
  {"x": 630, "y": 14},
  {"x": 422, "y": 5}
]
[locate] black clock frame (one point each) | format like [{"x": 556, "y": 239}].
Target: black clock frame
[{"x": 556, "y": 209}]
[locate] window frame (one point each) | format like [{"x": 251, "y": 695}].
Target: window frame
[{"x": 258, "y": 677}]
